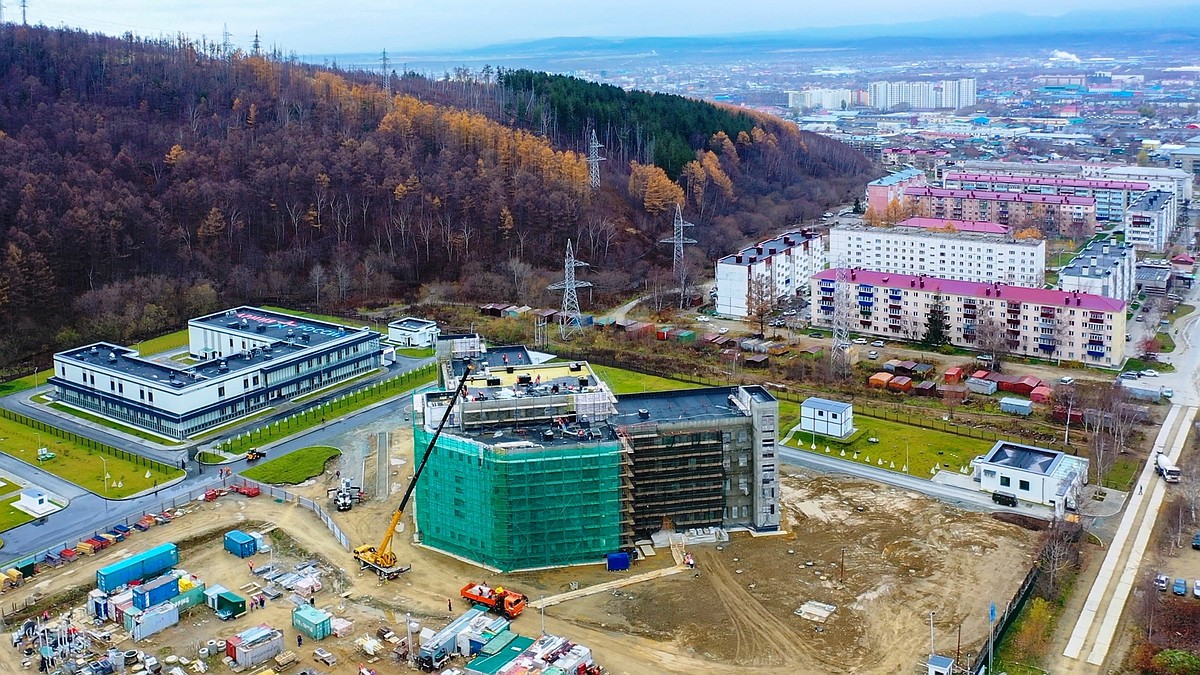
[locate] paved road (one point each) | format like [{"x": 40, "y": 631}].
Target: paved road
[{"x": 88, "y": 512}]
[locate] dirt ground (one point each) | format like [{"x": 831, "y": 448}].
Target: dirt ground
[{"x": 905, "y": 556}]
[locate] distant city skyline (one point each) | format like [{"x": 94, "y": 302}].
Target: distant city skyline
[{"x": 415, "y": 26}]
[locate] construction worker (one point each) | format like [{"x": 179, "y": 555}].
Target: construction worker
[
  {"x": 449, "y": 605},
  {"x": 299, "y": 640}
]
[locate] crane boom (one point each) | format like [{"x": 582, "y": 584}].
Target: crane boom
[{"x": 381, "y": 558}]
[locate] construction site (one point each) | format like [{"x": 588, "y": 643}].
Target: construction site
[{"x": 842, "y": 576}]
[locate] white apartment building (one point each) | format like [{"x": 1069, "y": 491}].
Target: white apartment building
[
  {"x": 1037, "y": 322},
  {"x": 826, "y": 99},
  {"x": 1176, "y": 181},
  {"x": 785, "y": 263},
  {"x": 1105, "y": 267},
  {"x": 949, "y": 253},
  {"x": 933, "y": 95},
  {"x": 1150, "y": 220}
]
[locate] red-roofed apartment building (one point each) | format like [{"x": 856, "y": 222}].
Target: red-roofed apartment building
[
  {"x": 1036, "y": 322},
  {"x": 1054, "y": 215}
]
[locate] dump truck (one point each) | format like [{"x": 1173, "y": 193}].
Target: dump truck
[
  {"x": 381, "y": 559},
  {"x": 500, "y": 600}
]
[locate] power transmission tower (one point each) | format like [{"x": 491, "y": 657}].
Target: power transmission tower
[
  {"x": 385, "y": 67},
  {"x": 539, "y": 332},
  {"x": 839, "y": 356},
  {"x": 569, "y": 322},
  {"x": 225, "y": 39},
  {"x": 594, "y": 160},
  {"x": 679, "y": 240},
  {"x": 24, "y": 6},
  {"x": 256, "y": 45}
]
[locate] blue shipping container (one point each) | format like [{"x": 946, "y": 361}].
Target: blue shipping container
[
  {"x": 146, "y": 564},
  {"x": 240, "y": 544},
  {"x": 617, "y": 561},
  {"x": 155, "y": 592}
]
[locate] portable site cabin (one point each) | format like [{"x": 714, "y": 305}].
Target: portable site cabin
[
  {"x": 1016, "y": 406},
  {"x": 828, "y": 418},
  {"x": 313, "y": 622},
  {"x": 142, "y": 624},
  {"x": 230, "y": 605},
  {"x": 981, "y": 386},
  {"x": 254, "y": 646},
  {"x": 239, "y": 543}
]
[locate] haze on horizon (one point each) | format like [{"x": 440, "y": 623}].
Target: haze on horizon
[{"x": 415, "y": 26}]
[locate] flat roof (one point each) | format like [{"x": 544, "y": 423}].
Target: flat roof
[
  {"x": 825, "y": 404},
  {"x": 126, "y": 361},
  {"x": 1153, "y": 200},
  {"x": 682, "y": 405},
  {"x": 411, "y": 323},
  {"x": 977, "y": 226},
  {"x": 1025, "y": 457},
  {"x": 938, "y": 227},
  {"x": 263, "y": 323},
  {"x": 496, "y": 358},
  {"x": 978, "y": 289},
  {"x": 542, "y": 379},
  {"x": 1118, "y": 252},
  {"x": 1049, "y": 180},
  {"x": 781, "y": 244},
  {"x": 898, "y": 177}
]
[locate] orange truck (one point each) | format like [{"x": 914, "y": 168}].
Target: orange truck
[{"x": 504, "y": 602}]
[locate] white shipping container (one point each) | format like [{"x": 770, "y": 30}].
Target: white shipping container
[
  {"x": 260, "y": 651},
  {"x": 154, "y": 620}
]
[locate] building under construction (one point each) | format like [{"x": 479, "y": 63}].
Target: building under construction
[{"x": 542, "y": 465}]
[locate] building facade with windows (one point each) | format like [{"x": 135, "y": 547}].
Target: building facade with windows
[
  {"x": 1106, "y": 267},
  {"x": 926, "y": 159},
  {"x": 541, "y": 465},
  {"x": 883, "y": 191},
  {"x": 242, "y": 360},
  {"x": 1112, "y": 196},
  {"x": 1033, "y": 474},
  {"x": 947, "y": 252},
  {"x": 930, "y": 95},
  {"x": 1053, "y": 215},
  {"x": 782, "y": 265},
  {"x": 1037, "y": 322},
  {"x": 1150, "y": 221}
]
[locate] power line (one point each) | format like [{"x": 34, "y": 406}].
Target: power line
[{"x": 570, "y": 322}]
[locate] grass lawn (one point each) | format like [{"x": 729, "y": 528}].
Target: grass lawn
[
  {"x": 293, "y": 468},
  {"x": 28, "y": 382},
  {"x": 11, "y": 516},
  {"x": 926, "y": 448},
  {"x": 111, "y": 424},
  {"x": 162, "y": 343},
  {"x": 1165, "y": 342},
  {"x": 338, "y": 320},
  {"x": 1138, "y": 364},
  {"x": 78, "y": 464},
  {"x": 6, "y": 487},
  {"x": 1122, "y": 473},
  {"x": 209, "y": 457},
  {"x": 421, "y": 353},
  {"x": 623, "y": 381},
  {"x": 1181, "y": 311}
]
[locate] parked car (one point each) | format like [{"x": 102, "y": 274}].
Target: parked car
[
  {"x": 703, "y": 319},
  {"x": 1139, "y": 317},
  {"x": 722, "y": 330},
  {"x": 1168, "y": 392},
  {"x": 1196, "y": 589},
  {"x": 1179, "y": 587},
  {"x": 1149, "y": 373},
  {"x": 872, "y": 354},
  {"x": 1066, "y": 380},
  {"x": 815, "y": 335},
  {"x": 1161, "y": 581},
  {"x": 859, "y": 341},
  {"x": 878, "y": 343},
  {"x": 1196, "y": 542},
  {"x": 1130, "y": 375}
]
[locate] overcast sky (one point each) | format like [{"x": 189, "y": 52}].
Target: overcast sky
[{"x": 406, "y": 26}]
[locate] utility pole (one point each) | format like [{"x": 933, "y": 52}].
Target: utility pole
[{"x": 679, "y": 240}]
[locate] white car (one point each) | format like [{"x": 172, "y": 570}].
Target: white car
[
  {"x": 722, "y": 330},
  {"x": 1149, "y": 373},
  {"x": 878, "y": 343},
  {"x": 1196, "y": 589},
  {"x": 1066, "y": 380},
  {"x": 872, "y": 354},
  {"x": 703, "y": 319},
  {"x": 859, "y": 341}
]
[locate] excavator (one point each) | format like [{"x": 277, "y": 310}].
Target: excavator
[{"x": 380, "y": 559}]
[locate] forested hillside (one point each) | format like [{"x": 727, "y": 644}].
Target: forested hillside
[{"x": 142, "y": 182}]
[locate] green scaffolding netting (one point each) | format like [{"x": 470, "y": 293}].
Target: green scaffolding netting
[{"x": 519, "y": 508}]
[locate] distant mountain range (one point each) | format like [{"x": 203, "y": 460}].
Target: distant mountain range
[{"x": 1175, "y": 24}]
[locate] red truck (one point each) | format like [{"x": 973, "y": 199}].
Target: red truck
[{"x": 504, "y": 602}]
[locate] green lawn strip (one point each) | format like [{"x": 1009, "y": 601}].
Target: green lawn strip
[
  {"x": 1122, "y": 473},
  {"x": 340, "y": 385},
  {"x": 623, "y": 381},
  {"x": 217, "y": 431},
  {"x": 162, "y": 343},
  {"x": 1166, "y": 343},
  {"x": 28, "y": 382},
  {"x": 112, "y": 424},
  {"x": 295, "y": 467},
  {"x": 422, "y": 353},
  {"x": 1181, "y": 311},
  {"x": 11, "y": 516},
  {"x": 6, "y": 487},
  {"x": 926, "y": 448},
  {"x": 209, "y": 457},
  {"x": 337, "y": 320},
  {"x": 81, "y": 465},
  {"x": 1138, "y": 364},
  {"x": 317, "y": 415}
]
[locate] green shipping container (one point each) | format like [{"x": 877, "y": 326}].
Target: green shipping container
[
  {"x": 189, "y": 599},
  {"x": 313, "y": 622},
  {"x": 230, "y": 606}
]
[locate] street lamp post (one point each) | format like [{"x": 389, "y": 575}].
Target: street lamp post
[{"x": 842, "y": 568}]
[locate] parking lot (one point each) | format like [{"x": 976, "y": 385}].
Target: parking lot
[{"x": 1174, "y": 563}]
